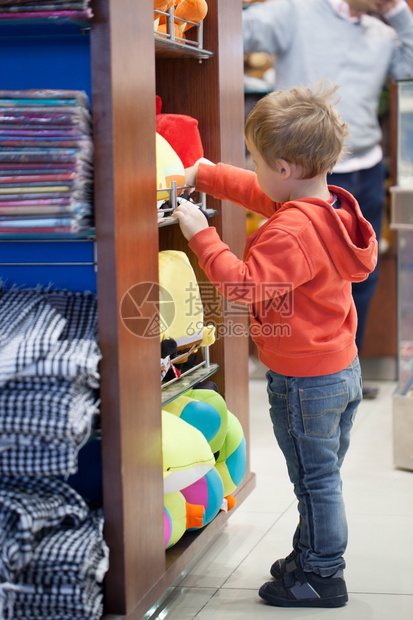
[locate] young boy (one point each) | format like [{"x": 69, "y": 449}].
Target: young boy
[{"x": 296, "y": 275}]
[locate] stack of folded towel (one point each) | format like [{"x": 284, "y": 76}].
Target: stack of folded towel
[
  {"x": 46, "y": 163},
  {"x": 45, "y": 9},
  {"x": 53, "y": 557},
  {"x": 48, "y": 380}
]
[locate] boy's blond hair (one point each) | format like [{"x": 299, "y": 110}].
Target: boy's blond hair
[{"x": 299, "y": 125}]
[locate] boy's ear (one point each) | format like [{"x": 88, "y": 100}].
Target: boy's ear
[{"x": 284, "y": 168}]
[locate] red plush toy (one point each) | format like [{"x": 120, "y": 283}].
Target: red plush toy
[{"x": 181, "y": 131}]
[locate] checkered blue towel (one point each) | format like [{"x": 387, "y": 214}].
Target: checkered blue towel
[
  {"x": 48, "y": 408},
  {"x": 64, "y": 576},
  {"x": 35, "y": 337},
  {"x": 58, "y": 337},
  {"x": 30, "y": 507},
  {"x": 23, "y": 455}
]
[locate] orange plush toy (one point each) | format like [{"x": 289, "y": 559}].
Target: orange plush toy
[
  {"x": 192, "y": 10},
  {"x": 161, "y": 5}
]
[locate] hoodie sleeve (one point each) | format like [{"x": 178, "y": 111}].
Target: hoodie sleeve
[
  {"x": 236, "y": 185},
  {"x": 276, "y": 259}
]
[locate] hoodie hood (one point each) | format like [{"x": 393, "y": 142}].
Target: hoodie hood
[{"x": 348, "y": 237}]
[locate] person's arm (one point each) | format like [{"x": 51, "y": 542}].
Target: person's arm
[
  {"x": 237, "y": 185},
  {"x": 224, "y": 182},
  {"x": 277, "y": 257},
  {"x": 399, "y": 16},
  {"x": 268, "y": 26}
]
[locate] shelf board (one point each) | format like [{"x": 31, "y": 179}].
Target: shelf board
[
  {"x": 84, "y": 235},
  {"x": 37, "y": 27},
  {"x": 173, "y": 390},
  {"x": 165, "y": 48}
]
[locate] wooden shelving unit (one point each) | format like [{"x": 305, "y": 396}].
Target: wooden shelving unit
[
  {"x": 128, "y": 69},
  {"x": 123, "y": 67}
]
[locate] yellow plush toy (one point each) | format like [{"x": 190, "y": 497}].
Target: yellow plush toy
[
  {"x": 180, "y": 304},
  {"x": 169, "y": 167}
]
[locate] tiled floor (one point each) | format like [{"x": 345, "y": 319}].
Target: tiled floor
[{"x": 379, "y": 501}]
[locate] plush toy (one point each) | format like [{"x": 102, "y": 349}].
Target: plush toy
[
  {"x": 181, "y": 131},
  {"x": 208, "y": 492},
  {"x": 167, "y": 524},
  {"x": 231, "y": 463},
  {"x": 191, "y": 10},
  {"x": 207, "y": 411},
  {"x": 180, "y": 305},
  {"x": 160, "y": 25},
  {"x": 191, "y": 430},
  {"x": 169, "y": 352},
  {"x": 180, "y": 515},
  {"x": 161, "y": 5},
  {"x": 162, "y": 29},
  {"x": 184, "y": 11},
  {"x": 228, "y": 503},
  {"x": 169, "y": 167},
  {"x": 186, "y": 453},
  {"x": 213, "y": 399}
]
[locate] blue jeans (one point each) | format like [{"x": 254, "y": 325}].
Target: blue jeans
[
  {"x": 312, "y": 419},
  {"x": 367, "y": 186}
]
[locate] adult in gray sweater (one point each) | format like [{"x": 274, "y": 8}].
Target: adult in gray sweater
[{"x": 339, "y": 40}]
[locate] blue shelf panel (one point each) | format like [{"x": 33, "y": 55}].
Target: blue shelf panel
[
  {"x": 63, "y": 264},
  {"x": 59, "y": 60}
]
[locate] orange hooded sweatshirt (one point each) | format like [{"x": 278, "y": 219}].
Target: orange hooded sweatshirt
[{"x": 296, "y": 272}]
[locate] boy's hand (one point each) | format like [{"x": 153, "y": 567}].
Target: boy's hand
[
  {"x": 191, "y": 174},
  {"x": 191, "y": 219}
]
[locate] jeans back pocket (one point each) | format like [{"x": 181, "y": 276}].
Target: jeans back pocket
[{"x": 321, "y": 408}]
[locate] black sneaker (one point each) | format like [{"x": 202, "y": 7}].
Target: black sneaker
[
  {"x": 279, "y": 567},
  {"x": 297, "y": 588}
]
